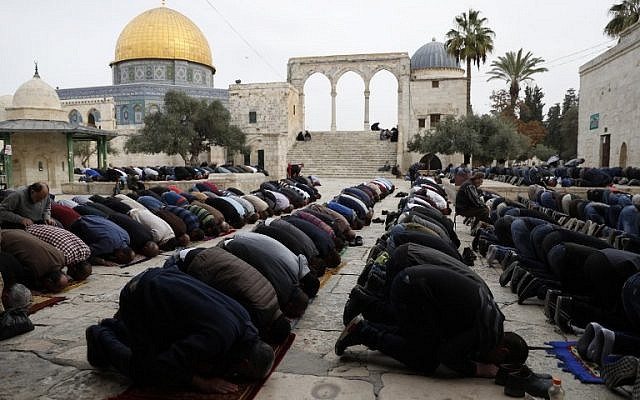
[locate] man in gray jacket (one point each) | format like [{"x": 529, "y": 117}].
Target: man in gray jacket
[{"x": 26, "y": 206}]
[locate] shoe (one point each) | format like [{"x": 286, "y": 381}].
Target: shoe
[
  {"x": 621, "y": 372},
  {"x": 518, "y": 273},
  {"x": 586, "y": 227},
  {"x": 358, "y": 301},
  {"x": 578, "y": 226},
  {"x": 509, "y": 257},
  {"x": 602, "y": 345},
  {"x": 550, "y": 299},
  {"x": 349, "y": 336},
  {"x": 95, "y": 355},
  {"x": 536, "y": 287},
  {"x": 562, "y": 317},
  {"x": 517, "y": 383},
  {"x": 524, "y": 281},
  {"x": 377, "y": 220},
  {"x": 586, "y": 339},
  {"x": 359, "y": 241},
  {"x": 492, "y": 252},
  {"x": 505, "y": 369},
  {"x": 506, "y": 275},
  {"x": 592, "y": 229}
]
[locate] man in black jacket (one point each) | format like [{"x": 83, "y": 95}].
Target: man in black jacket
[
  {"x": 468, "y": 200},
  {"x": 175, "y": 330},
  {"x": 438, "y": 316}
]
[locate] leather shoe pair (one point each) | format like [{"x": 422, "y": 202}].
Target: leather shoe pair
[
  {"x": 507, "y": 273},
  {"x": 526, "y": 381},
  {"x": 536, "y": 287}
]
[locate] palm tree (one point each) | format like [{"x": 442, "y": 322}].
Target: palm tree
[
  {"x": 624, "y": 15},
  {"x": 514, "y": 69},
  {"x": 470, "y": 41}
]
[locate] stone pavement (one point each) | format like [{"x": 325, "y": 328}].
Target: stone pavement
[{"x": 50, "y": 362}]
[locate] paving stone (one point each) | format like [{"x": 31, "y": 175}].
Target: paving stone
[
  {"x": 304, "y": 387},
  {"x": 27, "y": 376},
  {"x": 89, "y": 385},
  {"x": 398, "y": 386},
  {"x": 315, "y": 341},
  {"x": 345, "y": 284}
]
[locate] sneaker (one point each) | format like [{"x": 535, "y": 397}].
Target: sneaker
[
  {"x": 621, "y": 372},
  {"x": 518, "y": 273},
  {"x": 586, "y": 339},
  {"x": 507, "y": 274},
  {"x": 586, "y": 227},
  {"x": 550, "y": 299},
  {"x": 509, "y": 258},
  {"x": 592, "y": 229},
  {"x": 95, "y": 355},
  {"x": 578, "y": 226},
  {"x": 358, "y": 301},
  {"x": 349, "y": 336},
  {"x": 492, "y": 252},
  {"x": 602, "y": 344},
  {"x": 562, "y": 317}
]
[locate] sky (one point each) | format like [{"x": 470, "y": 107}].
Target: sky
[{"x": 74, "y": 42}]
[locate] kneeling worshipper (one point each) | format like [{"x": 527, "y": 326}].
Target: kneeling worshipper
[
  {"x": 171, "y": 329},
  {"x": 438, "y": 316},
  {"x": 292, "y": 298},
  {"x": 237, "y": 279},
  {"x": 108, "y": 242},
  {"x": 41, "y": 263},
  {"x": 76, "y": 252}
]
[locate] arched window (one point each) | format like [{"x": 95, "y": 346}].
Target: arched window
[
  {"x": 153, "y": 109},
  {"x": 125, "y": 114},
  {"x": 93, "y": 117},
  {"x": 75, "y": 117},
  {"x": 137, "y": 110}
]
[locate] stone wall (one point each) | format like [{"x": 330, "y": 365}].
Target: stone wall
[
  {"x": 39, "y": 157},
  {"x": 609, "y": 89},
  {"x": 276, "y": 107}
]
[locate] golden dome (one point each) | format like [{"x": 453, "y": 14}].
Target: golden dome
[{"x": 163, "y": 33}]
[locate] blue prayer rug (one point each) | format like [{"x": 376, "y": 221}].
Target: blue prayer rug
[{"x": 571, "y": 361}]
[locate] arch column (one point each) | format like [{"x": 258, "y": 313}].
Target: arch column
[
  {"x": 333, "y": 106},
  {"x": 301, "y": 110},
  {"x": 366, "y": 105}
]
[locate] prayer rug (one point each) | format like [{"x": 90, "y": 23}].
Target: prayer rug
[
  {"x": 229, "y": 232},
  {"x": 40, "y": 301},
  {"x": 330, "y": 272},
  {"x": 567, "y": 352},
  {"x": 246, "y": 391}
]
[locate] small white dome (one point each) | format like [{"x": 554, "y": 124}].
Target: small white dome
[
  {"x": 5, "y": 101},
  {"x": 36, "y": 93}
]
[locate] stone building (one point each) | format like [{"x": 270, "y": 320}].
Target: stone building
[
  {"x": 37, "y": 138},
  {"x": 609, "y": 117}
]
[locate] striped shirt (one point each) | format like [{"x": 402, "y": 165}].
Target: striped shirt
[{"x": 189, "y": 218}]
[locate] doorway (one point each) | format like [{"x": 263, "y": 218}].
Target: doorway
[
  {"x": 605, "y": 150},
  {"x": 623, "y": 155},
  {"x": 261, "y": 158}
]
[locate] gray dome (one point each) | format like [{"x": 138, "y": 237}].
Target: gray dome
[{"x": 433, "y": 55}]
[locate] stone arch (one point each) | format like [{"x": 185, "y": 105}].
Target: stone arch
[
  {"x": 318, "y": 86},
  {"x": 431, "y": 161},
  {"x": 349, "y": 108},
  {"x": 383, "y": 84},
  {"x": 299, "y": 69},
  {"x": 138, "y": 114},
  {"x": 623, "y": 155}
]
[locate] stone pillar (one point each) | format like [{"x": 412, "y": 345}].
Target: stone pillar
[
  {"x": 70, "y": 162},
  {"x": 301, "y": 110},
  {"x": 366, "y": 106},
  {"x": 404, "y": 105},
  {"x": 8, "y": 163},
  {"x": 333, "y": 107}
]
